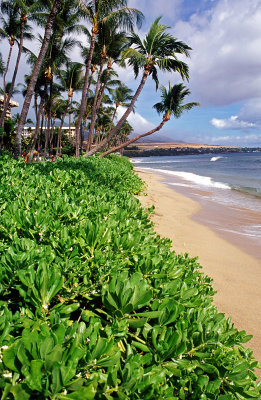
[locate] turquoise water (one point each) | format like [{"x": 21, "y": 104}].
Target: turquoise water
[
  {"x": 222, "y": 174},
  {"x": 232, "y": 181}
]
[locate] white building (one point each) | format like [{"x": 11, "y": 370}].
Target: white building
[
  {"x": 30, "y": 130},
  {"x": 12, "y": 104}
]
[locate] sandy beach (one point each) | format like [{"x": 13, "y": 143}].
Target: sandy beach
[{"x": 236, "y": 275}]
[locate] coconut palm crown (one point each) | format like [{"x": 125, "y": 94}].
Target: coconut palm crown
[
  {"x": 172, "y": 101},
  {"x": 157, "y": 50}
]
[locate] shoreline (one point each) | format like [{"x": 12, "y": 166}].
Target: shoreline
[
  {"x": 236, "y": 274},
  {"x": 230, "y": 222}
]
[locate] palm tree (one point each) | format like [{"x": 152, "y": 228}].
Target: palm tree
[
  {"x": 98, "y": 12},
  {"x": 39, "y": 90},
  {"x": 122, "y": 136},
  {"x": 25, "y": 9},
  {"x": 10, "y": 30},
  {"x": 102, "y": 123},
  {"x": 118, "y": 43},
  {"x": 171, "y": 104},
  {"x": 15, "y": 91},
  {"x": 72, "y": 79},
  {"x": 57, "y": 55},
  {"x": 157, "y": 50},
  {"x": 108, "y": 82},
  {"x": 7, "y": 89},
  {"x": 36, "y": 70},
  {"x": 2, "y": 65},
  {"x": 109, "y": 44},
  {"x": 121, "y": 96}
]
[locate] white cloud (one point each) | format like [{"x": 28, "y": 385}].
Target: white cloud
[
  {"x": 251, "y": 111},
  {"x": 169, "y": 10},
  {"x": 137, "y": 121},
  {"x": 238, "y": 140},
  {"x": 225, "y": 62},
  {"x": 232, "y": 123}
]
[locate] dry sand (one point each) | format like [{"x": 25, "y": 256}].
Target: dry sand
[{"x": 236, "y": 274}]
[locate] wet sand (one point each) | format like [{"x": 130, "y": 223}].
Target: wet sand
[{"x": 236, "y": 274}]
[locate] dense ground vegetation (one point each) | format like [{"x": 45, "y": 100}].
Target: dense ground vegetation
[{"x": 95, "y": 305}]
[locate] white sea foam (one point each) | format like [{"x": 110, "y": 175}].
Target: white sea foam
[
  {"x": 245, "y": 231},
  {"x": 179, "y": 184},
  {"x": 196, "y": 179},
  {"x": 216, "y": 158},
  {"x": 155, "y": 162}
]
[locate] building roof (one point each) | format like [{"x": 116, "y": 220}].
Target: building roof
[{"x": 12, "y": 103}]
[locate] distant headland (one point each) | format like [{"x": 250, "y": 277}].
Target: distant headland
[{"x": 148, "y": 149}]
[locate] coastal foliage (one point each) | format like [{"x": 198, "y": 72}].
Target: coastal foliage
[{"x": 94, "y": 304}]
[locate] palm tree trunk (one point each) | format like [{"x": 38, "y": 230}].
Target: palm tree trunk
[
  {"x": 84, "y": 92},
  {"x": 47, "y": 133},
  {"x": 94, "y": 108},
  {"x": 85, "y": 121},
  {"x": 10, "y": 92},
  {"x": 36, "y": 133},
  {"x": 58, "y": 150},
  {"x": 122, "y": 145},
  {"x": 102, "y": 89},
  {"x": 35, "y": 105},
  {"x": 6, "y": 70},
  {"x": 41, "y": 131},
  {"x": 52, "y": 133},
  {"x": 32, "y": 83},
  {"x": 116, "y": 107},
  {"x": 123, "y": 118},
  {"x": 70, "y": 120},
  {"x": 82, "y": 136}
]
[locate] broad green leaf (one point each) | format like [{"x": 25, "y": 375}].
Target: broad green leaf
[
  {"x": 21, "y": 392},
  {"x": 10, "y": 357}
]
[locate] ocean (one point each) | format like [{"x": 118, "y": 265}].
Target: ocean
[{"x": 228, "y": 186}]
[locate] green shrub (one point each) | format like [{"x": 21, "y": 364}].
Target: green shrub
[{"x": 94, "y": 305}]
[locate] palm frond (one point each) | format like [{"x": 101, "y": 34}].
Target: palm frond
[
  {"x": 124, "y": 18},
  {"x": 135, "y": 59},
  {"x": 172, "y": 100},
  {"x": 154, "y": 75}
]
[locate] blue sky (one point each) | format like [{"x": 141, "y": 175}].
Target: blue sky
[{"x": 225, "y": 71}]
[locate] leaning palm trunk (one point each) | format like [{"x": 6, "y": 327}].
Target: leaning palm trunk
[
  {"x": 125, "y": 144},
  {"x": 10, "y": 92},
  {"x": 123, "y": 118},
  {"x": 31, "y": 86},
  {"x": 94, "y": 108},
  {"x": 84, "y": 93}
]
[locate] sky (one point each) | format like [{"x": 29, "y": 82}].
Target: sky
[{"x": 225, "y": 71}]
